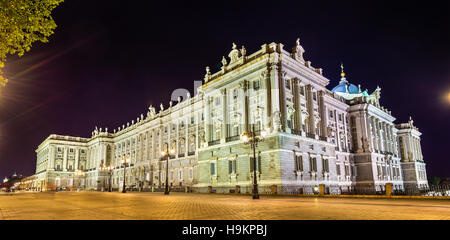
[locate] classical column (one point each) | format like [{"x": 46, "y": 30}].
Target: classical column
[
  {"x": 310, "y": 107},
  {"x": 207, "y": 120},
  {"x": 366, "y": 132},
  {"x": 338, "y": 134},
  {"x": 393, "y": 138},
  {"x": 244, "y": 86},
  {"x": 186, "y": 136},
  {"x": 359, "y": 132},
  {"x": 323, "y": 115},
  {"x": 51, "y": 158},
  {"x": 274, "y": 91},
  {"x": 65, "y": 159},
  {"x": 282, "y": 96},
  {"x": 265, "y": 80},
  {"x": 385, "y": 140},
  {"x": 374, "y": 132},
  {"x": 224, "y": 134},
  {"x": 177, "y": 139},
  {"x": 77, "y": 156},
  {"x": 345, "y": 132},
  {"x": 197, "y": 120},
  {"x": 297, "y": 108},
  {"x": 161, "y": 132}
]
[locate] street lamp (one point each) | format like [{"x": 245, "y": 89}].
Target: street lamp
[
  {"x": 167, "y": 154},
  {"x": 108, "y": 169},
  {"x": 250, "y": 138},
  {"x": 124, "y": 162}
]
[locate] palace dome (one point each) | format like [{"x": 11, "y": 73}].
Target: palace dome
[{"x": 346, "y": 87}]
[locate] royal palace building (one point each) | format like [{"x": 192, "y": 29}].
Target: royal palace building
[{"x": 342, "y": 138}]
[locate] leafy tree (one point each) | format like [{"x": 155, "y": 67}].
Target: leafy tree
[
  {"x": 23, "y": 22},
  {"x": 435, "y": 180}
]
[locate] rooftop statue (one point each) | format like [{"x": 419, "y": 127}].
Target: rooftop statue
[
  {"x": 298, "y": 51},
  {"x": 224, "y": 61},
  {"x": 234, "y": 54},
  {"x": 151, "y": 111}
]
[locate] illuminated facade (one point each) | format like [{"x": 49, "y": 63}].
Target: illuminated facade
[{"x": 341, "y": 138}]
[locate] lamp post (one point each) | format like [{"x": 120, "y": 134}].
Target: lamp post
[
  {"x": 124, "y": 162},
  {"x": 109, "y": 169},
  {"x": 252, "y": 139},
  {"x": 167, "y": 154}
]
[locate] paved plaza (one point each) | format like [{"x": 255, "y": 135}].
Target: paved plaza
[{"x": 105, "y": 205}]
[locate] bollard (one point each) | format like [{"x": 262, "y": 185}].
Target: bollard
[
  {"x": 321, "y": 189},
  {"x": 274, "y": 189},
  {"x": 388, "y": 189}
]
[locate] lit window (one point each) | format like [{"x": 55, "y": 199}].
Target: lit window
[
  {"x": 287, "y": 83},
  {"x": 256, "y": 85}
]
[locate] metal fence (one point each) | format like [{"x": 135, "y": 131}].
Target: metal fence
[
  {"x": 432, "y": 190},
  {"x": 439, "y": 190}
]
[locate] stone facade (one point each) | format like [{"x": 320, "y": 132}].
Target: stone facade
[{"x": 341, "y": 138}]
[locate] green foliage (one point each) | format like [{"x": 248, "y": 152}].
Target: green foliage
[
  {"x": 23, "y": 22},
  {"x": 435, "y": 180}
]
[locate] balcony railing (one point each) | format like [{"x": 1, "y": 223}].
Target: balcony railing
[
  {"x": 181, "y": 155},
  {"x": 215, "y": 142},
  {"x": 191, "y": 153},
  {"x": 233, "y": 138},
  {"x": 311, "y": 135},
  {"x": 296, "y": 132}
]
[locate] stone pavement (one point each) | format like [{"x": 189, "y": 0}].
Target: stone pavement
[{"x": 157, "y": 206}]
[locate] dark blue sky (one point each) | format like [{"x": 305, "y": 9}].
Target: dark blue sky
[{"x": 108, "y": 60}]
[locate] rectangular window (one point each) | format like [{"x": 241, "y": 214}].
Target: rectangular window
[
  {"x": 302, "y": 91},
  {"x": 331, "y": 114},
  {"x": 325, "y": 164},
  {"x": 287, "y": 84},
  {"x": 190, "y": 173},
  {"x": 313, "y": 165},
  {"x": 235, "y": 93},
  {"x": 256, "y": 85},
  {"x": 338, "y": 169},
  {"x": 232, "y": 166},
  {"x": 299, "y": 163},
  {"x": 217, "y": 101},
  {"x": 192, "y": 120},
  {"x": 314, "y": 96},
  {"x": 180, "y": 175},
  {"x": 213, "y": 169}
]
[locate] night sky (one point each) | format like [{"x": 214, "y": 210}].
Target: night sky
[{"x": 108, "y": 60}]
